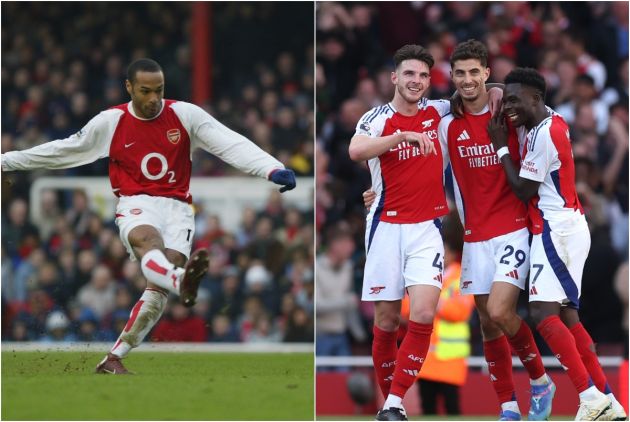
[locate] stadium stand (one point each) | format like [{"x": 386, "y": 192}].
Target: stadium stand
[{"x": 66, "y": 276}]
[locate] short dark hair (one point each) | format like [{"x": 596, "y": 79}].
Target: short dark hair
[
  {"x": 142, "y": 65},
  {"x": 528, "y": 77},
  {"x": 413, "y": 52},
  {"x": 471, "y": 49}
]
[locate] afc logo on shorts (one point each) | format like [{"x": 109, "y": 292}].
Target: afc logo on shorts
[{"x": 376, "y": 290}]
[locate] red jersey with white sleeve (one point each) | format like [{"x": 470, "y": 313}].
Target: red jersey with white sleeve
[
  {"x": 147, "y": 156},
  {"x": 409, "y": 186},
  {"x": 548, "y": 159},
  {"x": 486, "y": 204}
]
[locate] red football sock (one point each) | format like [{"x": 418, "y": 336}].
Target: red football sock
[
  {"x": 586, "y": 348},
  {"x": 384, "y": 350},
  {"x": 413, "y": 350},
  {"x": 499, "y": 358},
  {"x": 562, "y": 344},
  {"x": 525, "y": 347}
]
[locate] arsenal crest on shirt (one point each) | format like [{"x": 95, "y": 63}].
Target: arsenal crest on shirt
[{"x": 173, "y": 135}]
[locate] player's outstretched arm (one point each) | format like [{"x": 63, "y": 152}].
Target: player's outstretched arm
[
  {"x": 84, "y": 147},
  {"x": 212, "y": 136},
  {"x": 524, "y": 189}
]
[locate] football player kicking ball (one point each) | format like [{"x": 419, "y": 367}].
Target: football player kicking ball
[
  {"x": 561, "y": 241},
  {"x": 149, "y": 142}
]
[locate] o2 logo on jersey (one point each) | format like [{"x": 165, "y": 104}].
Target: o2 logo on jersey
[
  {"x": 173, "y": 135},
  {"x": 144, "y": 167}
]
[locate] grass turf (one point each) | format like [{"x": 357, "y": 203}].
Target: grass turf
[{"x": 166, "y": 386}]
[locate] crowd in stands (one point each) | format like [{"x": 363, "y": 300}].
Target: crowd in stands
[
  {"x": 67, "y": 276},
  {"x": 582, "y": 51}
]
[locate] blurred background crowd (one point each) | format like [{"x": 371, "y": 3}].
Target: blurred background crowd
[
  {"x": 67, "y": 276},
  {"x": 582, "y": 50}
]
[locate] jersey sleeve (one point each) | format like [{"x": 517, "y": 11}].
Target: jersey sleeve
[
  {"x": 209, "y": 134},
  {"x": 371, "y": 123},
  {"x": 538, "y": 156},
  {"x": 86, "y": 146},
  {"x": 443, "y": 107}
]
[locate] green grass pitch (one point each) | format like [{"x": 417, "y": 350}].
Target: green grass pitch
[{"x": 166, "y": 386}]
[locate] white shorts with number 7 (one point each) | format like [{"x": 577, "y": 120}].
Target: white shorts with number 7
[{"x": 557, "y": 263}]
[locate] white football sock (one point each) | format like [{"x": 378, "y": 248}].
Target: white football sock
[
  {"x": 160, "y": 271},
  {"x": 544, "y": 380},
  {"x": 145, "y": 313},
  {"x": 392, "y": 401},
  {"x": 590, "y": 394},
  {"x": 512, "y": 406}
]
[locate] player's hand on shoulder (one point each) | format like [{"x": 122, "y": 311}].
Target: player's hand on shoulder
[
  {"x": 498, "y": 130},
  {"x": 368, "y": 198},
  {"x": 495, "y": 97},
  {"x": 284, "y": 177},
  {"x": 421, "y": 140}
]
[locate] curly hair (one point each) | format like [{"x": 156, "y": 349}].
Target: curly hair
[
  {"x": 471, "y": 49},
  {"x": 528, "y": 77},
  {"x": 413, "y": 52}
]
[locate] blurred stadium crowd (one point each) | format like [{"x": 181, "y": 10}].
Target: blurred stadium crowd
[
  {"x": 67, "y": 276},
  {"x": 582, "y": 50}
]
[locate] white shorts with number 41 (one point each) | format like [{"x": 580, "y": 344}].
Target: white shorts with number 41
[{"x": 399, "y": 256}]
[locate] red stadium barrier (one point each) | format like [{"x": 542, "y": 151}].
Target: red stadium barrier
[{"x": 477, "y": 396}]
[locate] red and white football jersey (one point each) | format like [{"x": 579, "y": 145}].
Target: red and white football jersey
[
  {"x": 548, "y": 159},
  {"x": 147, "y": 156},
  {"x": 409, "y": 186},
  {"x": 486, "y": 204}
]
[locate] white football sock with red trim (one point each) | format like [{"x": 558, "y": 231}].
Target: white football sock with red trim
[
  {"x": 145, "y": 313},
  {"x": 160, "y": 271}
]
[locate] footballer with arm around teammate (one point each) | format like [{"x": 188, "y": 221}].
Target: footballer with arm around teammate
[
  {"x": 149, "y": 142},
  {"x": 545, "y": 180},
  {"x": 404, "y": 249}
]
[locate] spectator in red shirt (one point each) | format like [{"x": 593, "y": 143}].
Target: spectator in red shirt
[{"x": 180, "y": 325}]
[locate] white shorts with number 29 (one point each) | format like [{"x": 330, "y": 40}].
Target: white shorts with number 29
[{"x": 503, "y": 258}]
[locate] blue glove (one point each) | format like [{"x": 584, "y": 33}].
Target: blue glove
[{"x": 284, "y": 177}]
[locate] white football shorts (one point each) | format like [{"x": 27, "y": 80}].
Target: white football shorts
[
  {"x": 399, "y": 256},
  {"x": 172, "y": 218},
  {"x": 502, "y": 258},
  {"x": 557, "y": 263}
]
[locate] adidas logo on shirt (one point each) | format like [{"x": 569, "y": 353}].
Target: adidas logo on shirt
[
  {"x": 413, "y": 372},
  {"x": 463, "y": 136}
]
